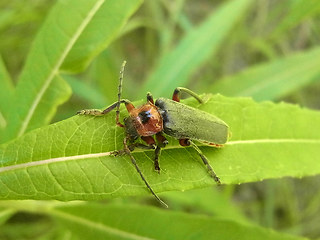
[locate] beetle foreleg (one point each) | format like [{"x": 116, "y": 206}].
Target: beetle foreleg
[
  {"x": 127, "y": 150},
  {"x": 97, "y": 112},
  {"x": 92, "y": 112},
  {"x": 178, "y": 90},
  {"x": 205, "y": 161}
]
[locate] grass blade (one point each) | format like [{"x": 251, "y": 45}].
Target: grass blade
[
  {"x": 6, "y": 93},
  {"x": 175, "y": 68},
  {"x": 272, "y": 80}
]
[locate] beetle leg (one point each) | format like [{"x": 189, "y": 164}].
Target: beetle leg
[
  {"x": 97, "y": 112},
  {"x": 206, "y": 162},
  {"x": 151, "y": 142},
  {"x": 129, "y": 107},
  {"x": 178, "y": 90},
  {"x": 156, "y": 159},
  {"x": 150, "y": 98},
  {"x": 127, "y": 151},
  {"x": 93, "y": 112},
  {"x": 188, "y": 142},
  {"x": 161, "y": 143},
  {"x": 128, "y": 104}
]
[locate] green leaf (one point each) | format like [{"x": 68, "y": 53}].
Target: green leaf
[
  {"x": 5, "y": 214},
  {"x": 104, "y": 26},
  {"x": 71, "y": 159},
  {"x": 175, "y": 68},
  {"x": 85, "y": 91},
  {"x": 274, "y": 79},
  {"x": 40, "y": 90},
  {"x": 209, "y": 200},
  {"x": 105, "y": 71},
  {"x": 129, "y": 222},
  {"x": 51, "y": 46},
  {"x": 296, "y": 12},
  {"x": 6, "y": 93},
  {"x": 27, "y": 228}
]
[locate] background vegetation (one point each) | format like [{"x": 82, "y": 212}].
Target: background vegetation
[{"x": 266, "y": 49}]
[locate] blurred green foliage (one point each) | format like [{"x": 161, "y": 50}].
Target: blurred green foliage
[{"x": 232, "y": 47}]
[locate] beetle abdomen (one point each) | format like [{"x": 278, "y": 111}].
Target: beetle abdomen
[{"x": 182, "y": 121}]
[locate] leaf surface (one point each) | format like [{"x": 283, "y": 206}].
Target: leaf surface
[{"x": 71, "y": 159}]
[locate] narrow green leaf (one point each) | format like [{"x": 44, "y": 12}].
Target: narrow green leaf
[
  {"x": 274, "y": 79},
  {"x": 71, "y": 159},
  {"x": 93, "y": 221},
  {"x": 175, "y": 68},
  {"x": 296, "y": 12},
  {"x": 6, "y": 92},
  {"x": 105, "y": 71},
  {"x": 104, "y": 26},
  {"x": 50, "y": 48},
  {"x": 61, "y": 40},
  {"x": 5, "y": 214},
  {"x": 58, "y": 92},
  {"x": 210, "y": 200},
  {"x": 85, "y": 91}
]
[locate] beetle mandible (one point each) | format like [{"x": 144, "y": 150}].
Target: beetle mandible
[{"x": 165, "y": 116}]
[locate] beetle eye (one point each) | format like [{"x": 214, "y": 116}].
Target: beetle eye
[{"x": 144, "y": 116}]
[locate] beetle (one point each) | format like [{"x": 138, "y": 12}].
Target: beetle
[{"x": 167, "y": 116}]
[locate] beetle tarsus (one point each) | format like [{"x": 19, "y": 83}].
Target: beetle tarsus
[
  {"x": 117, "y": 153},
  {"x": 92, "y": 112}
]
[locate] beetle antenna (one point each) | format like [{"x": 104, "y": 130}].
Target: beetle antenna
[{"x": 120, "y": 90}]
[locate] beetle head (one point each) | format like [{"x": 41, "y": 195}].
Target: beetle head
[{"x": 144, "y": 121}]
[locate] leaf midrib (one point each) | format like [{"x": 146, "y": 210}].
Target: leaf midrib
[
  {"x": 97, "y": 155},
  {"x": 57, "y": 65}
]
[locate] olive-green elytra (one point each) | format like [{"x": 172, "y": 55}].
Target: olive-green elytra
[
  {"x": 171, "y": 117},
  {"x": 182, "y": 121}
]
